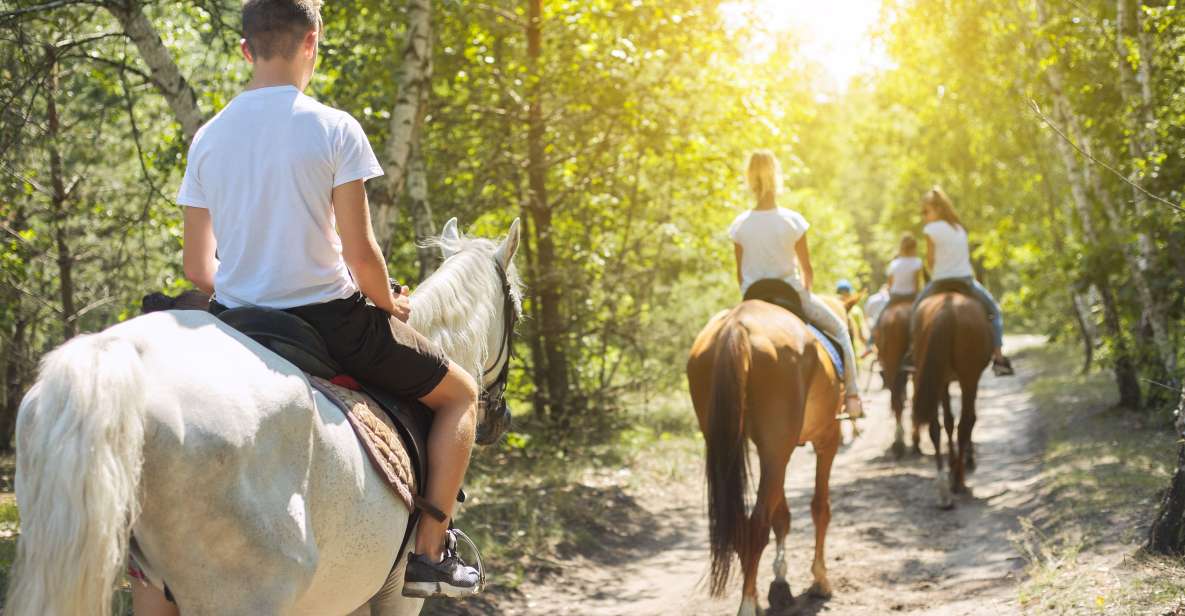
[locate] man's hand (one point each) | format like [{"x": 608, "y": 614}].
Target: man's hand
[{"x": 401, "y": 308}]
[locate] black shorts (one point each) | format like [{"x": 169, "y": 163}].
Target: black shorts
[{"x": 376, "y": 348}]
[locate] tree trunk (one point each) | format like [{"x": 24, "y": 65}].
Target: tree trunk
[
  {"x": 1126, "y": 376},
  {"x": 58, "y": 199},
  {"x": 1134, "y": 83},
  {"x": 1082, "y": 181},
  {"x": 421, "y": 211},
  {"x": 1167, "y": 535},
  {"x": 552, "y": 327},
  {"x": 414, "y": 77},
  {"x": 16, "y": 379},
  {"x": 1085, "y": 329},
  {"x": 165, "y": 73}
]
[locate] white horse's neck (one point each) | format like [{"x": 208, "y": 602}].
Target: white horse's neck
[{"x": 460, "y": 306}]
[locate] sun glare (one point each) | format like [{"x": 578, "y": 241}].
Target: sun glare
[{"x": 835, "y": 34}]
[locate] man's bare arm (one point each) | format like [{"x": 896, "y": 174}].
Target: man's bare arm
[
  {"x": 361, "y": 251},
  {"x": 197, "y": 255}
]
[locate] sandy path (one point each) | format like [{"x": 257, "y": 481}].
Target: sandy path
[{"x": 889, "y": 548}]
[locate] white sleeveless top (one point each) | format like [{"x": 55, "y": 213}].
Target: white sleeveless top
[
  {"x": 767, "y": 239},
  {"x": 952, "y": 256}
]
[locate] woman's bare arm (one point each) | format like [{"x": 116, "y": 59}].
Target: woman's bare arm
[
  {"x": 740, "y": 252},
  {"x": 804, "y": 262}
]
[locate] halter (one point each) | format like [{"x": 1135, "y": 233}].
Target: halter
[{"x": 493, "y": 396}]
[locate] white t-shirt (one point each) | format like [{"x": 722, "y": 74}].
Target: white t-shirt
[
  {"x": 952, "y": 257},
  {"x": 904, "y": 272},
  {"x": 767, "y": 238},
  {"x": 265, "y": 167},
  {"x": 876, "y": 305}
]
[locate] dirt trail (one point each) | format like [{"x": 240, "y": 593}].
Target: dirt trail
[{"x": 889, "y": 548}]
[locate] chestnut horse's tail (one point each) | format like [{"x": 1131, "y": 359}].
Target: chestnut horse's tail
[
  {"x": 727, "y": 466},
  {"x": 932, "y": 369}
]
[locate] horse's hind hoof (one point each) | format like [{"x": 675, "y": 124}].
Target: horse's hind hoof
[
  {"x": 820, "y": 591},
  {"x": 898, "y": 450},
  {"x": 779, "y": 595}
]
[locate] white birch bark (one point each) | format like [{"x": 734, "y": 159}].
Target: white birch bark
[
  {"x": 407, "y": 116},
  {"x": 164, "y": 71}
]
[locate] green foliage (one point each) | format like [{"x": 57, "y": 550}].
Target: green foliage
[{"x": 649, "y": 110}]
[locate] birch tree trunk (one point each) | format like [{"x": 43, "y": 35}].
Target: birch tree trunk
[
  {"x": 164, "y": 71},
  {"x": 421, "y": 211},
  {"x": 1136, "y": 86},
  {"x": 1126, "y": 376},
  {"x": 414, "y": 77}
]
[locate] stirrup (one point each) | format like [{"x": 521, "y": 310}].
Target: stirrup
[{"x": 451, "y": 536}]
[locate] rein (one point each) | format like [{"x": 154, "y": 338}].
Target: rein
[{"x": 495, "y": 392}]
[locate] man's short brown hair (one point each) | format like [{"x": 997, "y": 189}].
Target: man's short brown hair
[{"x": 276, "y": 27}]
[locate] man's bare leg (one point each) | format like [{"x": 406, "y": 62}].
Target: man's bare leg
[
  {"x": 454, "y": 402},
  {"x": 147, "y": 600}
]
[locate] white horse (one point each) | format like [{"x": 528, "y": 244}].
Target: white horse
[{"x": 244, "y": 489}]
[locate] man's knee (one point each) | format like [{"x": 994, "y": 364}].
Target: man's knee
[{"x": 457, "y": 389}]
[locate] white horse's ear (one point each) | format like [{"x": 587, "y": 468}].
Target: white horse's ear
[
  {"x": 450, "y": 237},
  {"x": 508, "y": 248}
]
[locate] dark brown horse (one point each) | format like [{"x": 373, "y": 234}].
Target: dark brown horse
[
  {"x": 757, "y": 374},
  {"x": 892, "y": 342},
  {"x": 952, "y": 341}
]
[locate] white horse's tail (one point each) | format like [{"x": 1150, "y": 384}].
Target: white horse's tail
[{"x": 80, "y": 438}]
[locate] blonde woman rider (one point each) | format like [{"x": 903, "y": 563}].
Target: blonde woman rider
[
  {"x": 770, "y": 242},
  {"x": 948, "y": 257}
]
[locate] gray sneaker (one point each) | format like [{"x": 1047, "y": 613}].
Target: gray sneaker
[{"x": 451, "y": 577}]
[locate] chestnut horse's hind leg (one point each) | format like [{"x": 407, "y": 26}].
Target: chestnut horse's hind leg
[
  {"x": 770, "y": 498},
  {"x": 964, "y": 460},
  {"x": 941, "y": 481},
  {"x": 821, "y": 512},
  {"x": 948, "y": 424},
  {"x": 780, "y": 596}
]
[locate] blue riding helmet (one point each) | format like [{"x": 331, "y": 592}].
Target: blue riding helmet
[{"x": 843, "y": 286}]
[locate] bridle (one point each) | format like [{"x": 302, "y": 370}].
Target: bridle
[{"x": 493, "y": 396}]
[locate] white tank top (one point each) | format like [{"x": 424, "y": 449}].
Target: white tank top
[{"x": 952, "y": 256}]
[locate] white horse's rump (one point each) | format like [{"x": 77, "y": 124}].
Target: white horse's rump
[{"x": 254, "y": 496}]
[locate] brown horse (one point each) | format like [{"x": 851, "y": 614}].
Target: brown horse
[
  {"x": 892, "y": 342},
  {"x": 757, "y": 374},
  {"x": 952, "y": 341}
]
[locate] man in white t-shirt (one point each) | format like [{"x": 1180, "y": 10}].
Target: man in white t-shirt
[{"x": 274, "y": 188}]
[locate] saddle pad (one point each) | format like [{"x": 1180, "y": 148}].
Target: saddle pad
[
  {"x": 382, "y": 444},
  {"x": 831, "y": 347}
]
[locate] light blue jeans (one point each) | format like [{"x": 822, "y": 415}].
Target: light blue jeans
[{"x": 984, "y": 296}]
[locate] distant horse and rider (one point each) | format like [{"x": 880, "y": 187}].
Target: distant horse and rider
[{"x": 778, "y": 371}]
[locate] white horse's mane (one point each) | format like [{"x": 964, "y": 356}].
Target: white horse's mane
[{"x": 457, "y": 305}]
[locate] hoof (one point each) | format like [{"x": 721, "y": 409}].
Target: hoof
[
  {"x": 779, "y": 595},
  {"x": 898, "y": 449},
  {"x": 820, "y": 590}
]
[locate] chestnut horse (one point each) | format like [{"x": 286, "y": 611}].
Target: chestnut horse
[
  {"x": 892, "y": 342},
  {"x": 952, "y": 341},
  {"x": 756, "y": 373}
]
